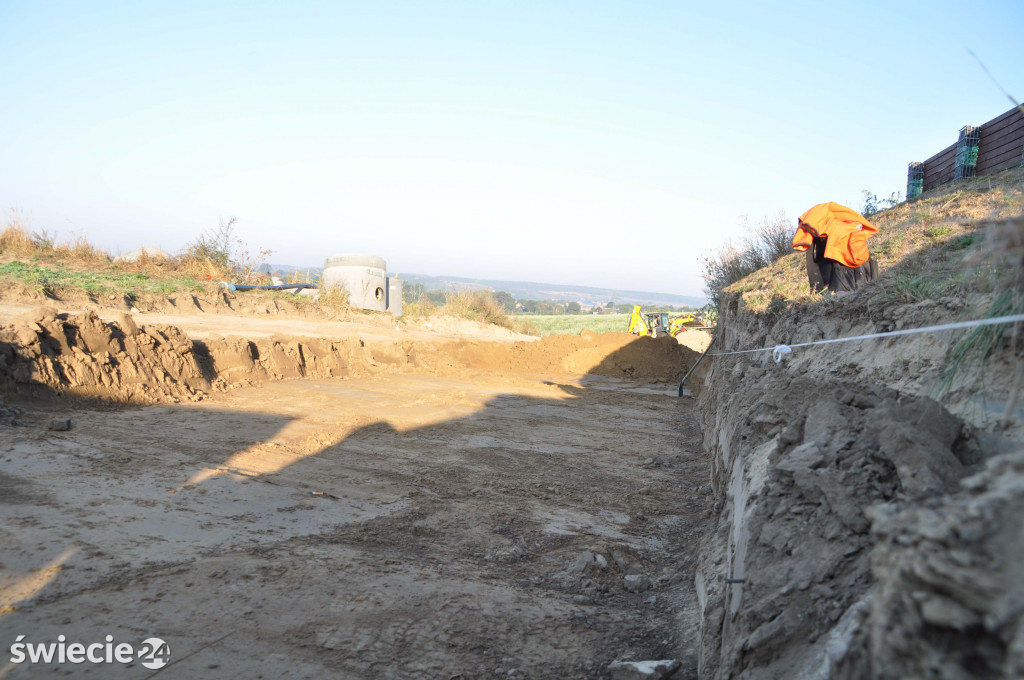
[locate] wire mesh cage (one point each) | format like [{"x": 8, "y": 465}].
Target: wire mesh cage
[
  {"x": 966, "y": 152},
  {"x": 915, "y": 179}
]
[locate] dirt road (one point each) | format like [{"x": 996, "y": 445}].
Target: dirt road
[{"x": 404, "y": 525}]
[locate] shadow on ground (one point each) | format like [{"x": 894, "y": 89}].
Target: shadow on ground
[{"x": 394, "y": 525}]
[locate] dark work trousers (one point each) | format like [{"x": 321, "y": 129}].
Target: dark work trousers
[
  {"x": 819, "y": 268},
  {"x": 838, "y": 278}
]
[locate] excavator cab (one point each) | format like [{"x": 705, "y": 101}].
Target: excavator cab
[
  {"x": 651, "y": 323},
  {"x": 657, "y": 323}
]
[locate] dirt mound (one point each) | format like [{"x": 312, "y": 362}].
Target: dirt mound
[
  {"x": 81, "y": 354},
  {"x": 661, "y": 360}
]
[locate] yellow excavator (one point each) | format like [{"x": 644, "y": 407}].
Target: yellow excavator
[
  {"x": 677, "y": 324},
  {"x": 657, "y": 323}
]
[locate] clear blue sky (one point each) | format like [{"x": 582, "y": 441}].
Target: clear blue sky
[{"x": 597, "y": 143}]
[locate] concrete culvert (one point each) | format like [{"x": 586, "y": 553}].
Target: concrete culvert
[{"x": 363, "y": 276}]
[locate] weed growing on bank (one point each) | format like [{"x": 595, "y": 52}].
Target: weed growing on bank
[
  {"x": 995, "y": 269},
  {"x": 58, "y": 281},
  {"x": 220, "y": 253},
  {"x": 44, "y": 263},
  {"x": 765, "y": 241}
]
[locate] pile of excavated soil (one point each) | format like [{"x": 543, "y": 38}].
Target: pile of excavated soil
[
  {"x": 83, "y": 355},
  {"x": 661, "y": 360}
]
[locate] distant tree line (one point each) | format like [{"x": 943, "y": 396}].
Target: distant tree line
[{"x": 418, "y": 294}]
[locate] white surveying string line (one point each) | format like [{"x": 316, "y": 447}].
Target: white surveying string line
[{"x": 779, "y": 351}]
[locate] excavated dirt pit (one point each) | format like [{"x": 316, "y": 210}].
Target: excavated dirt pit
[{"x": 469, "y": 512}]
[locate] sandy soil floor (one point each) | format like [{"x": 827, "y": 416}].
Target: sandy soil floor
[{"x": 390, "y": 526}]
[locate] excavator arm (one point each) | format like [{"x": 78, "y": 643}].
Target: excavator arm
[{"x": 637, "y": 325}]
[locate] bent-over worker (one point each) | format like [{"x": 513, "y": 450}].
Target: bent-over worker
[{"x": 836, "y": 240}]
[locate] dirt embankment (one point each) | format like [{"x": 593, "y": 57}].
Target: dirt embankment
[
  {"x": 82, "y": 355},
  {"x": 864, "y": 529}
]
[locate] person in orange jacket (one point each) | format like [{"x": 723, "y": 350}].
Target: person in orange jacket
[{"x": 836, "y": 241}]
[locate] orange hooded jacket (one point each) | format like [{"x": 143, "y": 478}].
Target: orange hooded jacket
[{"x": 847, "y": 230}]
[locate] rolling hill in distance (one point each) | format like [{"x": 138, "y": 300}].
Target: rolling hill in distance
[{"x": 526, "y": 290}]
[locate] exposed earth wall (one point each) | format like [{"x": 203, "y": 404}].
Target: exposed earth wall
[{"x": 868, "y": 520}]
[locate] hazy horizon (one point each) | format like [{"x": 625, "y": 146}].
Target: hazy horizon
[{"x": 606, "y": 144}]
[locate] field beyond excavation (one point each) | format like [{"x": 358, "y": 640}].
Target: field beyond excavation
[
  {"x": 437, "y": 501},
  {"x": 573, "y": 324}
]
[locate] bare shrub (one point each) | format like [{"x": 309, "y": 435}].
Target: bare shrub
[
  {"x": 483, "y": 306},
  {"x": 220, "y": 253},
  {"x": 474, "y": 304},
  {"x": 765, "y": 241},
  {"x": 772, "y": 237},
  {"x": 214, "y": 246},
  {"x": 721, "y": 268},
  {"x": 43, "y": 240}
]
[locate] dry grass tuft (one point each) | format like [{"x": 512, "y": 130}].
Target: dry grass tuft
[
  {"x": 16, "y": 240},
  {"x": 334, "y": 297},
  {"x": 203, "y": 269},
  {"x": 81, "y": 250},
  {"x": 482, "y": 306},
  {"x": 995, "y": 269}
]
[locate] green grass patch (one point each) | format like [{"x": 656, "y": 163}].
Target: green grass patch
[
  {"x": 922, "y": 216},
  {"x": 939, "y": 231},
  {"x": 54, "y": 280},
  {"x": 893, "y": 245},
  {"x": 914, "y": 286},
  {"x": 961, "y": 243},
  {"x": 572, "y": 324},
  {"x": 983, "y": 340}
]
